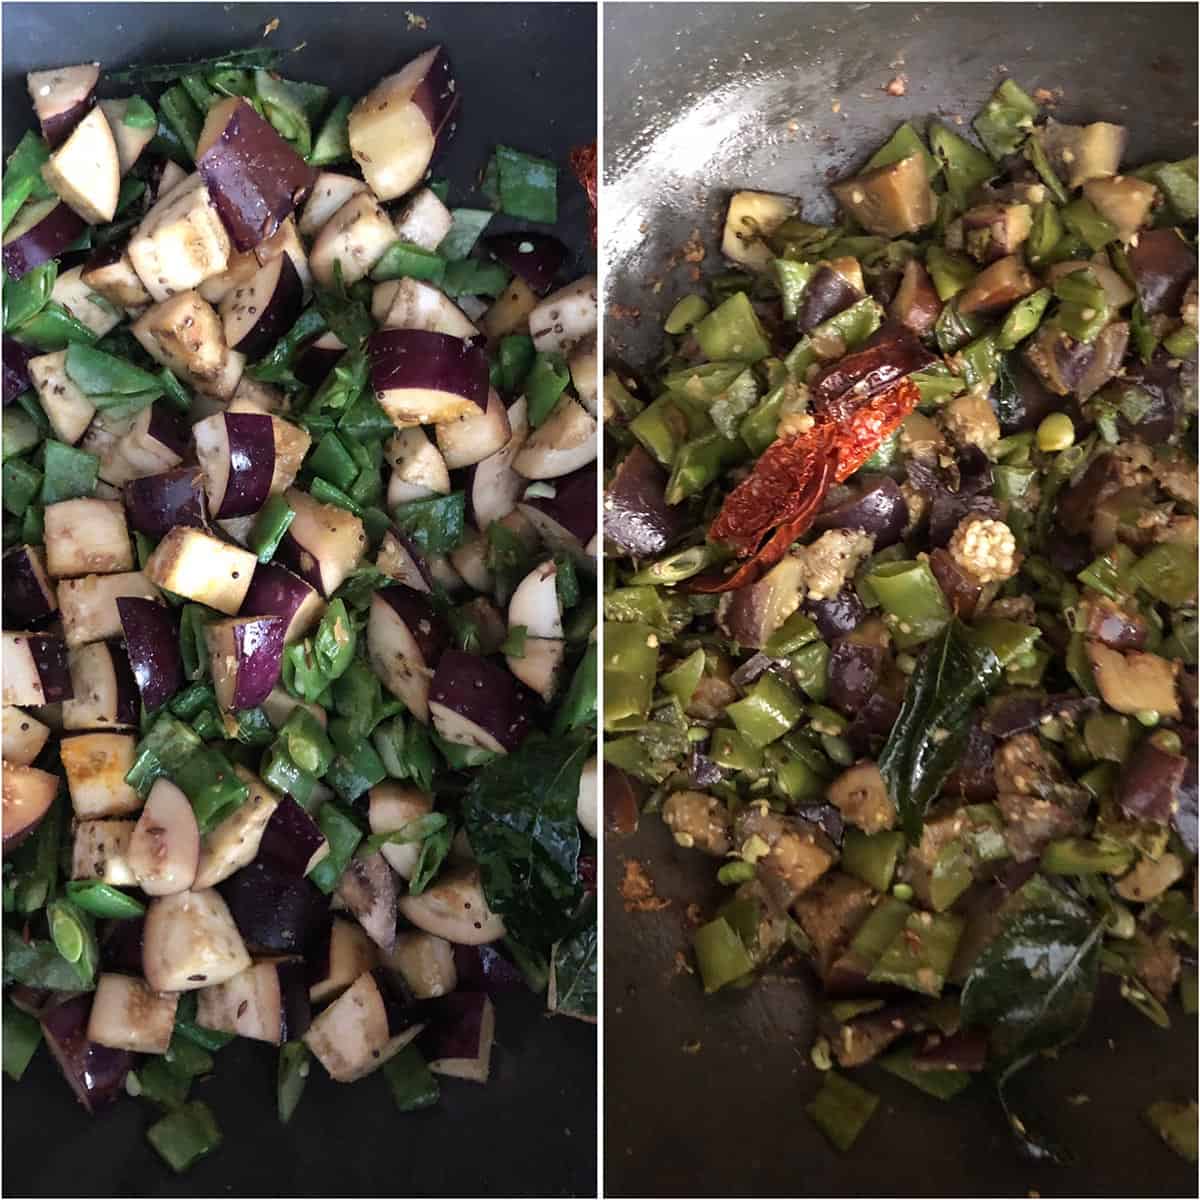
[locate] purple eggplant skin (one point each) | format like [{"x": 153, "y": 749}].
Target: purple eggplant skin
[
  {"x": 50, "y": 657},
  {"x": 485, "y": 969},
  {"x": 368, "y": 889},
  {"x": 43, "y": 241},
  {"x": 16, "y": 368},
  {"x": 419, "y": 358},
  {"x": 1107, "y": 622},
  {"x": 828, "y": 293},
  {"x": 129, "y": 698},
  {"x": 536, "y": 258},
  {"x": 155, "y": 504},
  {"x": 1162, "y": 264},
  {"x": 872, "y": 503},
  {"x": 251, "y": 441},
  {"x": 121, "y": 946},
  {"x": 1185, "y": 819},
  {"x": 275, "y": 912},
  {"x": 1150, "y": 783},
  {"x": 258, "y": 647},
  {"x": 854, "y": 672},
  {"x": 702, "y": 772},
  {"x": 276, "y": 591},
  {"x": 254, "y": 177},
  {"x": 398, "y": 1003},
  {"x": 886, "y": 357},
  {"x": 637, "y": 517},
  {"x": 168, "y": 427},
  {"x": 426, "y": 625},
  {"x": 837, "y": 616},
  {"x": 96, "y": 1073},
  {"x": 314, "y": 362},
  {"x": 317, "y": 947},
  {"x": 29, "y": 599},
  {"x": 279, "y": 314},
  {"x": 290, "y": 839},
  {"x": 573, "y": 505},
  {"x": 485, "y": 693},
  {"x": 873, "y": 722},
  {"x": 152, "y": 644},
  {"x": 962, "y": 590},
  {"x": 296, "y": 1009},
  {"x": 1021, "y": 712},
  {"x": 1168, "y": 383},
  {"x": 973, "y": 780},
  {"x": 966, "y": 1050},
  {"x": 827, "y": 818},
  {"x": 455, "y": 1026}
]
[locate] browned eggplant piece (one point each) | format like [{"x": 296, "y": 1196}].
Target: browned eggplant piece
[
  {"x": 887, "y": 356},
  {"x": 998, "y": 286},
  {"x": 62, "y": 97},
  {"x": 1150, "y": 783},
  {"x": 916, "y": 305},
  {"x": 1066, "y": 366},
  {"x": 830, "y": 913},
  {"x": 828, "y": 293},
  {"x": 752, "y": 613},
  {"x": 891, "y": 200},
  {"x": 1135, "y": 682},
  {"x": 1109, "y": 623},
  {"x": 872, "y": 503},
  {"x": 994, "y": 231},
  {"x": 1082, "y": 152},
  {"x": 973, "y": 781},
  {"x": 962, "y": 591},
  {"x": 1161, "y": 263},
  {"x": 861, "y": 796},
  {"x": 1123, "y": 201},
  {"x": 637, "y": 517}
]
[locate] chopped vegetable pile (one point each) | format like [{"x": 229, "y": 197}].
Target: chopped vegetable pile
[
  {"x": 299, "y": 670},
  {"x": 900, "y": 599}
]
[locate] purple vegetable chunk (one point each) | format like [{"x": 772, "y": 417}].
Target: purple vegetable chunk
[{"x": 152, "y": 644}]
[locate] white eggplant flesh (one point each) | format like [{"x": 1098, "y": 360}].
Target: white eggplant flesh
[
  {"x": 67, "y": 409},
  {"x": 750, "y": 218},
  {"x": 392, "y": 806},
  {"x": 96, "y": 765},
  {"x": 85, "y": 171},
  {"x": 194, "y": 564},
  {"x": 351, "y": 954},
  {"x": 87, "y": 537},
  {"x": 117, "y": 282},
  {"x": 356, "y": 236},
  {"x": 352, "y": 1038},
  {"x": 251, "y": 1005},
  {"x": 89, "y": 605},
  {"x": 535, "y": 603},
  {"x": 331, "y": 537},
  {"x": 131, "y": 140},
  {"x": 418, "y": 305},
  {"x": 164, "y": 850},
  {"x": 127, "y": 1014},
  {"x": 85, "y": 305},
  {"x": 424, "y": 220},
  {"x": 101, "y": 852},
  {"x": 454, "y": 908},
  {"x": 23, "y": 737},
  {"x": 587, "y": 808},
  {"x": 470, "y": 560},
  {"x": 233, "y": 843},
  {"x": 474, "y": 435},
  {"x": 418, "y": 468},
  {"x": 61, "y": 96},
  {"x": 425, "y": 963},
  {"x": 185, "y": 333},
  {"x": 584, "y": 365},
  {"x": 564, "y": 442},
  {"x": 180, "y": 242},
  {"x": 539, "y": 666},
  {"x": 509, "y": 312},
  {"x": 189, "y": 941},
  {"x": 565, "y": 317},
  {"x": 496, "y": 486},
  {"x": 329, "y": 193}
]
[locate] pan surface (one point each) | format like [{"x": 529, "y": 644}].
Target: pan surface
[
  {"x": 526, "y": 75},
  {"x": 705, "y": 1096}
]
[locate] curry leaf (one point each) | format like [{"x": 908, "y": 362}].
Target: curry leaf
[
  {"x": 573, "y": 968},
  {"x": 520, "y": 814},
  {"x": 953, "y": 676},
  {"x": 436, "y": 525}
]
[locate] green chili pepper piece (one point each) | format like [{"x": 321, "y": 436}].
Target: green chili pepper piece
[
  {"x": 768, "y": 710},
  {"x": 720, "y": 955}
]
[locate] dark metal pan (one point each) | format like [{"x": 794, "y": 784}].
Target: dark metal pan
[
  {"x": 705, "y": 1096},
  {"x": 527, "y": 75}
]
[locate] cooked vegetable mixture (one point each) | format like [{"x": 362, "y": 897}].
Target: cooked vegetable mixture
[
  {"x": 299, "y": 674},
  {"x": 900, "y": 604}
]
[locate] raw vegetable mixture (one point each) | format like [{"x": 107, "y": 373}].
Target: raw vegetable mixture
[
  {"x": 900, "y": 602},
  {"x": 299, "y": 676}
]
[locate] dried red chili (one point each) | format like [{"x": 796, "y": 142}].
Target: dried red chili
[
  {"x": 789, "y": 482},
  {"x": 583, "y": 163}
]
